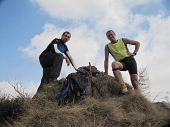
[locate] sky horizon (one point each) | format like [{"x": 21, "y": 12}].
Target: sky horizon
[{"x": 27, "y": 27}]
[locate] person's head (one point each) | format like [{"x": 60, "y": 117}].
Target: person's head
[
  {"x": 111, "y": 35},
  {"x": 66, "y": 36}
]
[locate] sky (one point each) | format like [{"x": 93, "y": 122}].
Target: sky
[{"x": 28, "y": 26}]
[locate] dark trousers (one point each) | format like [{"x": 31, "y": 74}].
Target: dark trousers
[{"x": 51, "y": 64}]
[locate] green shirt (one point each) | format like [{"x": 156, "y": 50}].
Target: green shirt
[{"x": 118, "y": 50}]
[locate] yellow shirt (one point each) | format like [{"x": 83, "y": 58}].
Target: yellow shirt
[{"x": 118, "y": 50}]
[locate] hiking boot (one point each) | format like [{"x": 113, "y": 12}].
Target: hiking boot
[{"x": 123, "y": 87}]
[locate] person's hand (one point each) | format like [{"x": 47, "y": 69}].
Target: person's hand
[
  {"x": 79, "y": 69},
  {"x": 67, "y": 61},
  {"x": 131, "y": 54}
]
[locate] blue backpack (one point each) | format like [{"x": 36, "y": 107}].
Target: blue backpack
[{"x": 74, "y": 89}]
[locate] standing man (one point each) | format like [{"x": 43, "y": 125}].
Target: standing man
[
  {"x": 51, "y": 59},
  {"x": 124, "y": 60}
]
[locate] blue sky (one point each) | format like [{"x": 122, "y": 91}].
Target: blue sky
[
  {"x": 19, "y": 22},
  {"x": 26, "y": 28}
]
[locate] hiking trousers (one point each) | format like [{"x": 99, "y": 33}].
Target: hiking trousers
[{"x": 51, "y": 64}]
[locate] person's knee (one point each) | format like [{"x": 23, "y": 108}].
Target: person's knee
[
  {"x": 134, "y": 79},
  {"x": 135, "y": 83},
  {"x": 59, "y": 56},
  {"x": 115, "y": 64},
  {"x": 115, "y": 69}
]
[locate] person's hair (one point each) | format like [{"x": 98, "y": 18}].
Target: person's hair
[
  {"x": 110, "y": 31},
  {"x": 66, "y": 32}
]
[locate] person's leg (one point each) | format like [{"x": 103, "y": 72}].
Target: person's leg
[
  {"x": 116, "y": 67},
  {"x": 54, "y": 61},
  {"x": 45, "y": 77},
  {"x": 135, "y": 82},
  {"x": 132, "y": 68},
  {"x": 57, "y": 65}
]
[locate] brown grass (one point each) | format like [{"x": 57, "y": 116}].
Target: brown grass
[{"x": 111, "y": 110}]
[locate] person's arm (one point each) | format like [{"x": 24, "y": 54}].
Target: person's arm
[
  {"x": 57, "y": 51},
  {"x": 132, "y": 42},
  {"x": 69, "y": 60},
  {"x": 106, "y": 60},
  {"x": 55, "y": 45}
]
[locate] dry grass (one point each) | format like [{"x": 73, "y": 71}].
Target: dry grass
[{"x": 113, "y": 109}]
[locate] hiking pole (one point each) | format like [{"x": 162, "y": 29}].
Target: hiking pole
[
  {"x": 90, "y": 75},
  {"x": 92, "y": 82}
]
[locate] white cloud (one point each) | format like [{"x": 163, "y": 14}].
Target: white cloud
[
  {"x": 154, "y": 52},
  {"x": 31, "y": 88},
  {"x": 39, "y": 42},
  {"x": 83, "y": 45},
  {"x": 160, "y": 96},
  {"x": 7, "y": 88},
  {"x": 76, "y": 9},
  {"x": 133, "y": 3}
]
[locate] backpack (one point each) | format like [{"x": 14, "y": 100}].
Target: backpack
[{"x": 74, "y": 89}]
